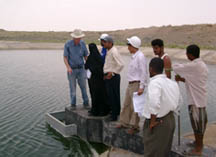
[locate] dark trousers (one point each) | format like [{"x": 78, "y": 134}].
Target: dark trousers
[
  {"x": 98, "y": 96},
  {"x": 113, "y": 94},
  {"x": 158, "y": 141}
]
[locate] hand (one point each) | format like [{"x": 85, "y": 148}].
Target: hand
[
  {"x": 140, "y": 91},
  {"x": 69, "y": 70},
  {"x": 108, "y": 76},
  {"x": 179, "y": 78},
  {"x": 153, "y": 124}
]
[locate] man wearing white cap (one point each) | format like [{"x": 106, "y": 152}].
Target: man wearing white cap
[
  {"x": 103, "y": 50},
  {"x": 75, "y": 52},
  {"x": 137, "y": 77}
]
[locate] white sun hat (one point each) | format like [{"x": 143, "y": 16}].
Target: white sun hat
[
  {"x": 102, "y": 37},
  {"x": 77, "y": 33},
  {"x": 134, "y": 41}
]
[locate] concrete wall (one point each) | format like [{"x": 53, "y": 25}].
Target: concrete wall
[{"x": 99, "y": 129}]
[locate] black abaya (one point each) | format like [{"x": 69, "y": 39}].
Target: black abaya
[{"x": 96, "y": 83}]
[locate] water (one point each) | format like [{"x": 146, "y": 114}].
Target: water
[{"x": 34, "y": 82}]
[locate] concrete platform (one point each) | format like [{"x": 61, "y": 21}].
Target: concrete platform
[
  {"x": 57, "y": 121},
  {"x": 99, "y": 129},
  {"x": 209, "y": 137}
]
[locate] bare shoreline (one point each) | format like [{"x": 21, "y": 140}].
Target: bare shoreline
[{"x": 209, "y": 56}]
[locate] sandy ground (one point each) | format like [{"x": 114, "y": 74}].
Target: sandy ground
[{"x": 209, "y": 56}]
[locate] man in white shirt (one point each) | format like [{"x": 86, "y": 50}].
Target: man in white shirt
[
  {"x": 112, "y": 68},
  {"x": 137, "y": 77},
  {"x": 195, "y": 76},
  {"x": 161, "y": 100}
]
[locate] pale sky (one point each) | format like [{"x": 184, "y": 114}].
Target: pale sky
[{"x": 102, "y": 15}]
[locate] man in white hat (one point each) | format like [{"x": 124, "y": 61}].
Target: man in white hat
[
  {"x": 75, "y": 52},
  {"x": 137, "y": 77},
  {"x": 103, "y": 50}
]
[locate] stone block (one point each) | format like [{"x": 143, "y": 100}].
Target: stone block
[
  {"x": 56, "y": 121},
  {"x": 88, "y": 127}
]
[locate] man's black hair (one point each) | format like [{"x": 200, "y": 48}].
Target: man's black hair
[
  {"x": 157, "y": 42},
  {"x": 194, "y": 50},
  {"x": 157, "y": 65}
]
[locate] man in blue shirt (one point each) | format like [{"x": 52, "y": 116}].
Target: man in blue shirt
[
  {"x": 75, "y": 52},
  {"x": 104, "y": 50}
]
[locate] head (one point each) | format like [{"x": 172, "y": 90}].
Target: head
[
  {"x": 132, "y": 49},
  {"x": 134, "y": 44},
  {"x": 76, "y": 40},
  {"x": 158, "y": 46},
  {"x": 101, "y": 39},
  {"x": 93, "y": 48},
  {"x": 156, "y": 66},
  {"x": 193, "y": 52},
  {"x": 108, "y": 42},
  {"x": 77, "y": 35},
  {"x": 102, "y": 42}
]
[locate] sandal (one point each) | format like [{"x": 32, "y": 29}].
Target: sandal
[
  {"x": 132, "y": 131},
  {"x": 192, "y": 153},
  {"x": 191, "y": 144},
  {"x": 119, "y": 126}
]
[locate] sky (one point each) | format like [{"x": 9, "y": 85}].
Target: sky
[{"x": 102, "y": 15}]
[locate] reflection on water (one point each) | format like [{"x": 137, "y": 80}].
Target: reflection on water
[{"x": 33, "y": 83}]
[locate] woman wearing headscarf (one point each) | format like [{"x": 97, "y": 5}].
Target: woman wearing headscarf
[{"x": 96, "y": 83}]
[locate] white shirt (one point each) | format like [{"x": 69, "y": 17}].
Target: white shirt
[
  {"x": 137, "y": 69},
  {"x": 196, "y": 75},
  {"x": 113, "y": 61},
  {"x": 164, "y": 55},
  {"x": 162, "y": 96}
]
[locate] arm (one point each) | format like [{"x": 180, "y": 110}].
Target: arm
[
  {"x": 144, "y": 75},
  {"x": 85, "y": 57},
  {"x": 85, "y": 52},
  {"x": 184, "y": 70},
  {"x": 154, "y": 94},
  {"x": 69, "y": 70},
  {"x": 179, "y": 78},
  {"x": 167, "y": 66},
  {"x": 153, "y": 122},
  {"x": 65, "y": 58}
]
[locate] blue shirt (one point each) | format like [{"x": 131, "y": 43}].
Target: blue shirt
[
  {"x": 75, "y": 53},
  {"x": 103, "y": 54}
]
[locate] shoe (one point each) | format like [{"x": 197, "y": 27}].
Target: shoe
[
  {"x": 113, "y": 119},
  {"x": 73, "y": 107},
  {"x": 191, "y": 144},
  {"x": 103, "y": 114},
  {"x": 192, "y": 152},
  {"x": 86, "y": 106},
  {"x": 90, "y": 114},
  {"x": 119, "y": 126}
]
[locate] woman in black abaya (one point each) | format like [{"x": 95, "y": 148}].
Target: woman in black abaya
[{"x": 96, "y": 83}]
